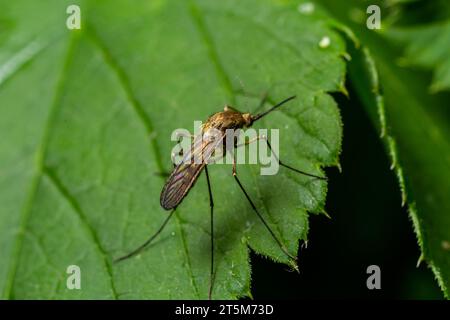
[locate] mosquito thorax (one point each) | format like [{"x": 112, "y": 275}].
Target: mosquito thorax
[
  {"x": 229, "y": 118},
  {"x": 248, "y": 118}
]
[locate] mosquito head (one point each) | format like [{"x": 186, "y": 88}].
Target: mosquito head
[
  {"x": 248, "y": 118},
  {"x": 262, "y": 114}
]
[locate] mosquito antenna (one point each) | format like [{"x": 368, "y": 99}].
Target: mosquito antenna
[
  {"x": 260, "y": 115},
  {"x": 146, "y": 243}
]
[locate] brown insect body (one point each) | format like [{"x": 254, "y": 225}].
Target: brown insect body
[
  {"x": 196, "y": 159},
  {"x": 229, "y": 118},
  {"x": 185, "y": 174}
]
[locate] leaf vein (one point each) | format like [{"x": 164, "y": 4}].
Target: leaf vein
[
  {"x": 40, "y": 158},
  {"x": 142, "y": 116},
  {"x": 64, "y": 192}
]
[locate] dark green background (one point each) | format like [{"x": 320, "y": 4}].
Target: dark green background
[{"x": 368, "y": 226}]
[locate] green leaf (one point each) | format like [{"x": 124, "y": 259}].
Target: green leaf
[
  {"x": 426, "y": 46},
  {"x": 88, "y": 116},
  {"x": 421, "y": 29},
  {"x": 412, "y": 125}
]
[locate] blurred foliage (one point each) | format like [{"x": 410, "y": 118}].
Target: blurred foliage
[{"x": 414, "y": 126}]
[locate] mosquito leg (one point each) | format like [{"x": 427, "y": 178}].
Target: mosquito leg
[
  {"x": 282, "y": 247},
  {"x": 146, "y": 243},
  {"x": 211, "y": 205},
  {"x": 289, "y": 167},
  {"x": 263, "y": 137},
  {"x": 248, "y": 142}
]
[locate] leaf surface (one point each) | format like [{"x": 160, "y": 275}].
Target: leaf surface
[{"x": 89, "y": 113}]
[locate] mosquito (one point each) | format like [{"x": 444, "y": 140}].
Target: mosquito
[{"x": 186, "y": 173}]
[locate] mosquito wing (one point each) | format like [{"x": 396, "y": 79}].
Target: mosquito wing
[{"x": 186, "y": 173}]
